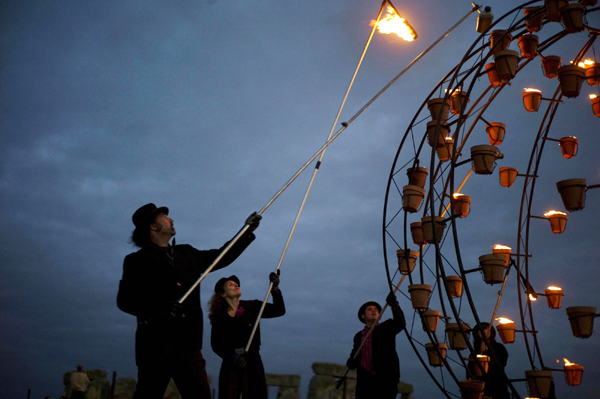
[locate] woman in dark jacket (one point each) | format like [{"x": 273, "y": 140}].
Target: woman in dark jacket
[
  {"x": 232, "y": 322},
  {"x": 495, "y": 383}
]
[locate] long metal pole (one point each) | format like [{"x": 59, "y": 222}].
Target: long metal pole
[
  {"x": 264, "y": 304},
  {"x": 323, "y": 148}
]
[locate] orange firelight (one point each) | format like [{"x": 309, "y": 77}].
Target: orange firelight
[
  {"x": 503, "y": 320},
  {"x": 394, "y": 23},
  {"x": 530, "y": 90},
  {"x": 586, "y": 64}
]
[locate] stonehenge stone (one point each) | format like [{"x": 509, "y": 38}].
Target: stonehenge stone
[{"x": 288, "y": 385}]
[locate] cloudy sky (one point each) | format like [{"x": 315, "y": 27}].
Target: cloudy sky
[{"x": 209, "y": 107}]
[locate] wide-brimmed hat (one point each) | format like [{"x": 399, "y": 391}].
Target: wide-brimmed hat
[
  {"x": 362, "y": 309},
  {"x": 146, "y": 214},
  {"x": 219, "y": 289}
]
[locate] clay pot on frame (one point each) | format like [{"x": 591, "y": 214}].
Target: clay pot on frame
[
  {"x": 406, "y": 260},
  {"x": 573, "y": 374},
  {"x": 508, "y": 176},
  {"x": 419, "y": 295},
  {"x": 571, "y": 78},
  {"x": 434, "y": 106},
  {"x": 412, "y": 196},
  {"x": 456, "y": 339},
  {"x": 528, "y": 45},
  {"x": 485, "y": 363},
  {"x": 432, "y": 354},
  {"x": 572, "y": 193},
  {"x": 445, "y": 152},
  {"x": 493, "y": 266},
  {"x": 552, "y": 7},
  {"x": 506, "y": 332},
  {"x": 532, "y": 99},
  {"x": 592, "y": 74},
  {"x": 595, "y": 105},
  {"x": 458, "y": 99},
  {"x": 484, "y": 158},
  {"x": 506, "y": 63},
  {"x": 495, "y": 131},
  {"x": 568, "y": 146},
  {"x": 431, "y": 319},
  {"x": 417, "y": 176},
  {"x": 533, "y": 18},
  {"x": 581, "y": 319},
  {"x": 572, "y": 17},
  {"x": 550, "y": 65},
  {"x": 416, "y": 232},
  {"x": 554, "y": 296},
  {"x": 455, "y": 285},
  {"x": 428, "y": 223},
  {"x": 441, "y": 135},
  {"x": 492, "y": 74},
  {"x": 499, "y": 40},
  {"x": 471, "y": 389},
  {"x": 539, "y": 382},
  {"x": 558, "y": 221}
]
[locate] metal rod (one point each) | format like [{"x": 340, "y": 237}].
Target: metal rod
[
  {"x": 549, "y": 139},
  {"x": 551, "y": 100},
  {"x": 264, "y": 304},
  {"x": 594, "y": 186},
  {"x": 512, "y": 263}
]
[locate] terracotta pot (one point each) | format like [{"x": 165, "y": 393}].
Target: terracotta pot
[
  {"x": 571, "y": 77},
  {"x": 534, "y": 17},
  {"x": 428, "y": 224},
  {"x": 430, "y": 319},
  {"x": 434, "y": 358},
  {"x": 558, "y": 222},
  {"x": 455, "y": 285},
  {"x": 532, "y": 100},
  {"x": 592, "y": 73},
  {"x": 493, "y": 266},
  {"x": 582, "y": 320},
  {"x": 456, "y": 339},
  {"x": 412, "y": 196},
  {"x": 539, "y": 382},
  {"x": 568, "y": 146},
  {"x": 552, "y": 7},
  {"x": 528, "y": 45},
  {"x": 406, "y": 263},
  {"x": 441, "y": 135},
  {"x": 550, "y": 65},
  {"x": 445, "y": 152},
  {"x": 573, "y": 374},
  {"x": 572, "y": 192},
  {"x": 471, "y": 389},
  {"x": 508, "y": 176},
  {"x": 485, "y": 363},
  {"x": 596, "y": 106},
  {"x": 417, "y": 176},
  {"x": 462, "y": 204},
  {"x": 492, "y": 74},
  {"x": 484, "y": 158},
  {"x": 416, "y": 231},
  {"x": 506, "y": 332},
  {"x": 419, "y": 295},
  {"x": 503, "y": 251},
  {"x": 572, "y": 17},
  {"x": 499, "y": 40},
  {"x": 506, "y": 63},
  {"x": 495, "y": 131},
  {"x": 554, "y": 298},
  {"x": 435, "y": 107},
  {"x": 458, "y": 99}
]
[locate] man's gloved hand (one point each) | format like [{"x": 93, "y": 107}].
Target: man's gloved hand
[
  {"x": 173, "y": 309},
  {"x": 239, "y": 358},
  {"x": 274, "y": 278},
  {"x": 352, "y": 363},
  {"x": 253, "y": 221},
  {"x": 391, "y": 300}
]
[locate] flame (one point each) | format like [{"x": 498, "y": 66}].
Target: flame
[
  {"x": 500, "y": 246},
  {"x": 449, "y": 140},
  {"x": 394, "y": 23},
  {"x": 552, "y": 288},
  {"x": 554, "y": 213},
  {"x": 504, "y": 320},
  {"x": 482, "y": 357},
  {"x": 457, "y": 195},
  {"x": 529, "y": 90},
  {"x": 592, "y": 96},
  {"x": 532, "y": 298},
  {"x": 586, "y": 64},
  {"x": 568, "y": 363}
]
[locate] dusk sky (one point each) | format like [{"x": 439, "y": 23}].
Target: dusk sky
[{"x": 209, "y": 107}]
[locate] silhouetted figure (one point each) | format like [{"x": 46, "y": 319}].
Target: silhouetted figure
[
  {"x": 378, "y": 366},
  {"x": 79, "y": 382},
  {"x": 232, "y": 322},
  {"x": 169, "y": 334},
  {"x": 495, "y": 384}
]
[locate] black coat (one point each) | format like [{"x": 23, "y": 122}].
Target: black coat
[
  {"x": 386, "y": 365},
  {"x": 154, "y": 277}
]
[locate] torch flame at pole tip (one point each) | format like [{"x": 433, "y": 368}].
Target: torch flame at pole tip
[
  {"x": 504, "y": 320},
  {"x": 394, "y": 23}
]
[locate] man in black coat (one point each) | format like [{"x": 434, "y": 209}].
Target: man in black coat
[
  {"x": 378, "y": 365},
  {"x": 169, "y": 334}
]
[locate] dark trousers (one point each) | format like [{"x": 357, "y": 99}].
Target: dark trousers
[
  {"x": 188, "y": 371},
  {"x": 369, "y": 386},
  {"x": 249, "y": 381}
]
